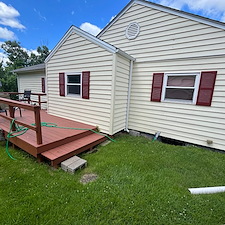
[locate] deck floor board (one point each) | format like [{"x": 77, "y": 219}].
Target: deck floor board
[{"x": 52, "y": 137}]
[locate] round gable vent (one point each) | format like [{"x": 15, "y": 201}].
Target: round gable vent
[{"x": 132, "y": 30}]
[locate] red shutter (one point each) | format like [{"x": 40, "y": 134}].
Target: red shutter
[
  {"x": 43, "y": 84},
  {"x": 157, "y": 87},
  {"x": 206, "y": 88},
  {"x": 62, "y": 84},
  {"x": 85, "y": 84}
]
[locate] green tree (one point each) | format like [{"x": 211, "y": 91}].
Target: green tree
[{"x": 18, "y": 58}]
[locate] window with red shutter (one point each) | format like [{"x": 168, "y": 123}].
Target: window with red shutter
[
  {"x": 180, "y": 87},
  {"x": 194, "y": 87},
  {"x": 85, "y": 84},
  {"x": 62, "y": 84},
  {"x": 43, "y": 84},
  {"x": 206, "y": 88},
  {"x": 157, "y": 84}
]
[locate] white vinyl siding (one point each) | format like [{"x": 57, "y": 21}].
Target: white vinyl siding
[
  {"x": 33, "y": 82},
  {"x": 164, "y": 36},
  {"x": 168, "y": 43},
  {"x": 78, "y": 54},
  {"x": 185, "y": 122},
  {"x": 121, "y": 92}
]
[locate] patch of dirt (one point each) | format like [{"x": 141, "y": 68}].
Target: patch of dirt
[{"x": 86, "y": 178}]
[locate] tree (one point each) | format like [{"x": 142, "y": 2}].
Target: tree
[
  {"x": 18, "y": 58},
  {"x": 39, "y": 58}
]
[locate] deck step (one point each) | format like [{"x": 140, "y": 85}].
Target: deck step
[{"x": 63, "y": 152}]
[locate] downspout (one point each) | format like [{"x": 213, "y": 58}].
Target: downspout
[{"x": 128, "y": 96}]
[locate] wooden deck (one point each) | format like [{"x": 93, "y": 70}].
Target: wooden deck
[{"x": 58, "y": 144}]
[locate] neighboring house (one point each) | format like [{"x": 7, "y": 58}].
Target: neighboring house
[
  {"x": 33, "y": 78},
  {"x": 150, "y": 69}
]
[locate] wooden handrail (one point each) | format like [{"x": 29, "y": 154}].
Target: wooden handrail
[
  {"x": 21, "y": 93},
  {"x": 36, "y": 109},
  {"x": 29, "y": 100},
  {"x": 17, "y": 104}
]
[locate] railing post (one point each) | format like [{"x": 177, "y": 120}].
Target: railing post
[
  {"x": 39, "y": 100},
  {"x": 12, "y": 115},
  {"x": 38, "y": 124}
]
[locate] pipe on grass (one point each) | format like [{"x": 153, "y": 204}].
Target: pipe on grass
[{"x": 207, "y": 190}]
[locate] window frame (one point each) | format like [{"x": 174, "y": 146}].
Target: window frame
[
  {"x": 196, "y": 87},
  {"x": 73, "y": 84}
]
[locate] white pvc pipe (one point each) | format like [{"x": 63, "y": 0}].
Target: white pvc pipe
[{"x": 207, "y": 190}]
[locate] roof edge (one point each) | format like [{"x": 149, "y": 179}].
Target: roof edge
[
  {"x": 28, "y": 69},
  {"x": 124, "y": 54},
  {"x": 116, "y": 18},
  {"x": 167, "y": 9},
  {"x": 89, "y": 37},
  {"x": 201, "y": 19}
]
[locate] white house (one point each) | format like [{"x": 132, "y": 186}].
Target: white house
[
  {"x": 33, "y": 78},
  {"x": 152, "y": 68}
]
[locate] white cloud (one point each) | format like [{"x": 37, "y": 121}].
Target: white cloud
[
  {"x": 8, "y": 16},
  {"x": 11, "y": 23},
  {"x": 7, "y": 11},
  {"x": 6, "y": 34},
  {"x": 41, "y": 17},
  {"x": 3, "y": 58},
  {"x": 214, "y": 9},
  {"x": 90, "y": 28}
]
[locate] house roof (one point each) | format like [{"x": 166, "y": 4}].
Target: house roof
[
  {"x": 159, "y": 7},
  {"x": 91, "y": 38},
  {"x": 30, "y": 68}
]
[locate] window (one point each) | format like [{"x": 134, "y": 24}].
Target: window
[
  {"x": 196, "y": 88},
  {"x": 43, "y": 85},
  {"x": 180, "y": 87},
  {"x": 74, "y": 84}
]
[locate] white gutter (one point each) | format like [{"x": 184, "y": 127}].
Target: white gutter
[
  {"x": 124, "y": 54},
  {"x": 128, "y": 96}
]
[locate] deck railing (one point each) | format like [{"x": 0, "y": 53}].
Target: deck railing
[
  {"x": 37, "y": 118},
  {"x": 39, "y": 101}
]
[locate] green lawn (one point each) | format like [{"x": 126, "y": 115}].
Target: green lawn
[{"x": 139, "y": 182}]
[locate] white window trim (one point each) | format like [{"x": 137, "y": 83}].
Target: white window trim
[
  {"x": 196, "y": 87},
  {"x": 66, "y": 84}
]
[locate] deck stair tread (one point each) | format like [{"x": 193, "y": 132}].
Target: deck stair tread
[{"x": 73, "y": 146}]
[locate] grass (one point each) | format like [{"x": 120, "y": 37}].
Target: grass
[{"x": 139, "y": 182}]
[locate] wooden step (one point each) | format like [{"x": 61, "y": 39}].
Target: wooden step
[
  {"x": 63, "y": 152},
  {"x": 64, "y": 140}
]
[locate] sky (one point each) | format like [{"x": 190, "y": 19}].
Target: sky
[{"x": 44, "y": 22}]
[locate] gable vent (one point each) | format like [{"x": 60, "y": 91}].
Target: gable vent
[{"x": 132, "y": 30}]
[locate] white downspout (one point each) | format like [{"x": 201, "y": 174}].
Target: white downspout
[{"x": 128, "y": 95}]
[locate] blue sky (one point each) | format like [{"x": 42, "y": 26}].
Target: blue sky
[{"x": 44, "y": 22}]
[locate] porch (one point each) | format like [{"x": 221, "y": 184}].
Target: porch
[{"x": 54, "y": 144}]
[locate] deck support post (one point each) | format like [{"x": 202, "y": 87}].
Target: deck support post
[{"x": 38, "y": 124}]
